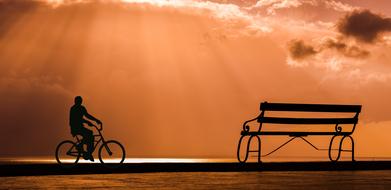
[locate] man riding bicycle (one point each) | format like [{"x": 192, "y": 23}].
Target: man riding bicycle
[{"x": 76, "y": 121}]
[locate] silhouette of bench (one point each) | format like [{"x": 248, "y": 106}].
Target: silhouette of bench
[{"x": 313, "y": 122}]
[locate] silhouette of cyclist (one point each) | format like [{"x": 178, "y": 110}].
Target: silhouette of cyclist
[{"x": 76, "y": 121}]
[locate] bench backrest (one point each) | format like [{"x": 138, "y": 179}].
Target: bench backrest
[{"x": 265, "y": 106}]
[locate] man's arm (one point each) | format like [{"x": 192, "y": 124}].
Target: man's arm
[
  {"x": 91, "y": 117},
  {"x": 88, "y": 122}
]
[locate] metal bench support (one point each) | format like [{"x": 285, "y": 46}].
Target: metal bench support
[
  {"x": 340, "y": 149},
  {"x": 248, "y": 148}
]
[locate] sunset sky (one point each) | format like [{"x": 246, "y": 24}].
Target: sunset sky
[{"x": 178, "y": 78}]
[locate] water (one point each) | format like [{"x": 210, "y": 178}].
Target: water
[
  {"x": 208, "y": 180},
  {"x": 200, "y": 180}
]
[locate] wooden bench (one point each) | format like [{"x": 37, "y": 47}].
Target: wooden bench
[{"x": 313, "y": 122}]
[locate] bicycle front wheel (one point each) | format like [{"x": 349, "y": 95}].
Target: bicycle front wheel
[
  {"x": 67, "y": 154},
  {"x": 112, "y": 153}
]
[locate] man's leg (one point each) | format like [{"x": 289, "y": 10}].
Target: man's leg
[
  {"x": 88, "y": 139},
  {"x": 75, "y": 131}
]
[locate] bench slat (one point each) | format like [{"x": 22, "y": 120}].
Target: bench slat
[
  {"x": 280, "y": 120},
  {"x": 310, "y": 107}
]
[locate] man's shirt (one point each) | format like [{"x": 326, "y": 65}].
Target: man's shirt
[{"x": 76, "y": 115}]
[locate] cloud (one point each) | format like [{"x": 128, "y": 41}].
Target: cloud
[
  {"x": 353, "y": 51},
  {"x": 331, "y": 54},
  {"x": 273, "y": 6},
  {"x": 56, "y": 3},
  {"x": 226, "y": 11},
  {"x": 234, "y": 14},
  {"x": 364, "y": 25},
  {"x": 299, "y": 50},
  {"x": 339, "y": 6}
]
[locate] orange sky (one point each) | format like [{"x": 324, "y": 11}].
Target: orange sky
[{"x": 178, "y": 78}]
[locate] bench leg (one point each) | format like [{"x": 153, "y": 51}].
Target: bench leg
[
  {"x": 340, "y": 147},
  {"x": 330, "y": 149},
  {"x": 352, "y": 143},
  {"x": 238, "y": 151},
  {"x": 259, "y": 147},
  {"x": 248, "y": 148}
]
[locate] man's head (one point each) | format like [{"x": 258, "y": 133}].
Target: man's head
[{"x": 78, "y": 100}]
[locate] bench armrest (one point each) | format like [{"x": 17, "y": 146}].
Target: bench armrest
[{"x": 245, "y": 124}]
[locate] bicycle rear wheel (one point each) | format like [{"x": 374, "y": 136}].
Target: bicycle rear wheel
[
  {"x": 67, "y": 154},
  {"x": 111, "y": 154}
]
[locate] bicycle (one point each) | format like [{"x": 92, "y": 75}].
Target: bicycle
[{"x": 111, "y": 153}]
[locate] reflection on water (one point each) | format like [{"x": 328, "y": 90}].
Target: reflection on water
[{"x": 208, "y": 180}]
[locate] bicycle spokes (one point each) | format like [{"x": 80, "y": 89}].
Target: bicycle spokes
[
  {"x": 72, "y": 153},
  {"x": 111, "y": 152},
  {"x": 67, "y": 154},
  {"x": 108, "y": 149}
]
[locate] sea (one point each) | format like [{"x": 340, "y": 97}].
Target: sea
[{"x": 371, "y": 180}]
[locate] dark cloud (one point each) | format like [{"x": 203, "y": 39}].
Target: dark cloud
[
  {"x": 299, "y": 50},
  {"x": 345, "y": 49},
  {"x": 364, "y": 25}
]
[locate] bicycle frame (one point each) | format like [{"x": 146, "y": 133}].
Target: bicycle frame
[{"x": 96, "y": 143}]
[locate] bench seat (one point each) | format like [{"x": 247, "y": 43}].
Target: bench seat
[{"x": 293, "y": 134}]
